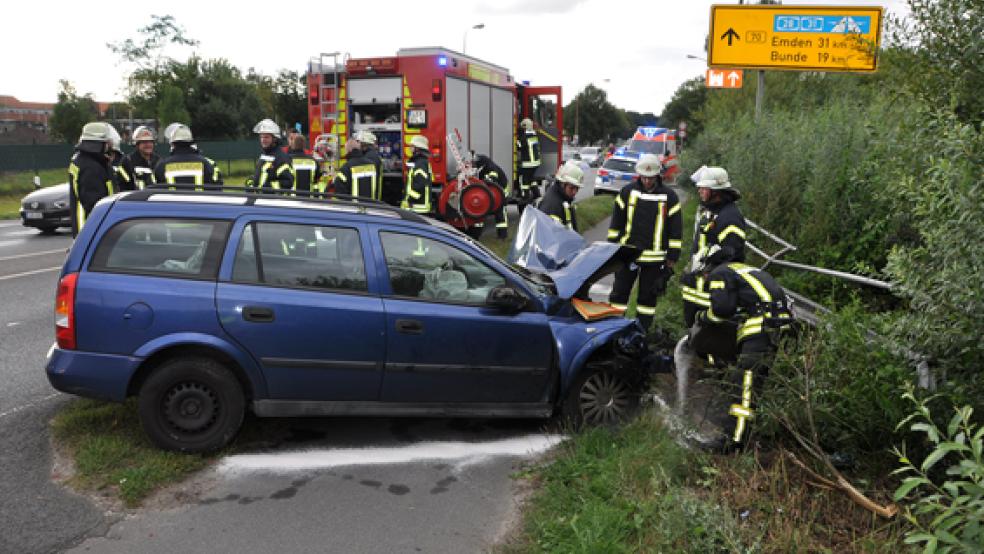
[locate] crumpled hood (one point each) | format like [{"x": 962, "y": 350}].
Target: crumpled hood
[{"x": 541, "y": 244}]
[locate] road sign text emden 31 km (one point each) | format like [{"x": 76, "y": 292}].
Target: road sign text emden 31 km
[{"x": 805, "y": 38}]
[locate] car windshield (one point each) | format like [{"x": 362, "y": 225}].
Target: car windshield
[
  {"x": 625, "y": 166},
  {"x": 647, "y": 146}
]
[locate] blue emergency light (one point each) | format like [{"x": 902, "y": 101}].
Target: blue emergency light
[{"x": 442, "y": 61}]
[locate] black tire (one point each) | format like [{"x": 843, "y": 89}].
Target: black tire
[
  {"x": 599, "y": 397},
  {"x": 191, "y": 405}
]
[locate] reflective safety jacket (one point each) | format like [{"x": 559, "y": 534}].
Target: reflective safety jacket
[
  {"x": 558, "y": 206},
  {"x": 358, "y": 177},
  {"x": 719, "y": 224},
  {"x": 529, "y": 149},
  {"x": 185, "y": 168},
  {"x": 489, "y": 172},
  {"x": 89, "y": 180},
  {"x": 749, "y": 295},
  {"x": 419, "y": 179},
  {"x": 649, "y": 220},
  {"x": 273, "y": 170},
  {"x": 372, "y": 154},
  {"x": 139, "y": 170},
  {"x": 307, "y": 172}
]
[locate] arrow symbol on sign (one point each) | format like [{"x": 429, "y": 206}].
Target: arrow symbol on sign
[
  {"x": 734, "y": 77},
  {"x": 730, "y": 34}
]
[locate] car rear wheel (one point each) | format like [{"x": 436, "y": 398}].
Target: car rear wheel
[
  {"x": 191, "y": 405},
  {"x": 601, "y": 397}
]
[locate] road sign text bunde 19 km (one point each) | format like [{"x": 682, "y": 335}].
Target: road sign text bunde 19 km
[{"x": 805, "y": 38}]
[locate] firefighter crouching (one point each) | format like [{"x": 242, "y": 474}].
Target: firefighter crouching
[
  {"x": 358, "y": 176},
  {"x": 274, "y": 170},
  {"x": 750, "y": 300},
  {"x": 89, "y": 175},
  {"x": 139, "y": 164},
  {"x": 419, "y": 177},
  {"x": 558, "y": 200},
  {"x": 307, "y": 172},
  {"x": 185, "y": 167},
  {"x": 719, "y": 223},
  {"x": 646, "y": 215},
  {"x": 490, "y": 172},
  {"x": 529, "y": 162}
]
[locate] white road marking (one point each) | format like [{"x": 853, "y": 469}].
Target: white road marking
[
  {"x": 463, "y": 452},
  {"x": 13, "y": 324},
  {"x": 41, "y": 253},
  {"x": 22, "y": 233},
  {"x": 29, "y": 404},
  {"x": 15, "y": 241},
  {"x": 26, "y": 273},
  {"x": 9, "y": 224}
]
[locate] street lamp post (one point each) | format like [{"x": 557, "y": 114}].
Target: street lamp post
[{"x": 464, "y": 37}]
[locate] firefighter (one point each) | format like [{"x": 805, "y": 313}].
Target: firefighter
[
  {"x": 139, "y": 164},
  {"x": 358, "y": 176},
  {"x": 307, "y": 172},
  {"x": 121, "y": 180},
  {"x": 529, "y": 162},
  {"x": 419, "y": 177},
  {"x": 719, "y": 223},
  {"x": 185, "y": 167},
  {"x": 325, "y": 148},
  {"x": 646, "y": 215},
  {"x": 490, "y": 172},
  {"x": 751, "y": 298},
  {"x": 367, "y": 141},
  {"x": 558, "y": 200},
  {"x": 274, "y": 170},
  {"x": 89, "y": 174}
]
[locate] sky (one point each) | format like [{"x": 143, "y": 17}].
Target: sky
[{"x": 636, "y": 50}]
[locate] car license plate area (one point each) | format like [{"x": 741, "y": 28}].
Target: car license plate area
[{"x": 33, "y": 215}]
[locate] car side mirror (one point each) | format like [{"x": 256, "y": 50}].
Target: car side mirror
[{"x": 506, "y": 299}]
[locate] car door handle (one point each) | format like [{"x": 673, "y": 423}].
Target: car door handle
[
  {"x": 258, "y": 314},
  {"x": 409, "y": 326}
]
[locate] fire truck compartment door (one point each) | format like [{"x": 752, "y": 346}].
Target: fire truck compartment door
[
  {"x": 375, "y": 91},
  {"x": 503, "y": 119},
  {"x": 456, "y": 116}
]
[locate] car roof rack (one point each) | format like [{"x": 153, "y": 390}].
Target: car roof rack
[{"x": 252, "y": 194}]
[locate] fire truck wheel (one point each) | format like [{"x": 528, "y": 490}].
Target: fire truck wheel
[
  {"x": 476, "y": 200},
  {"x": 498, "y": 196}
]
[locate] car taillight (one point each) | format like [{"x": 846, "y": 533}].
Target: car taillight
[
  {"x": 602, "y": 172},
  {"x": 65, "y": 312}
]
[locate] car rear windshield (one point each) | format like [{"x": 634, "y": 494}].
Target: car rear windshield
[
  {"x": 189, "y": 248},
  {"x": 625, "y": 166},
  {"x": 648, "y": 146}
]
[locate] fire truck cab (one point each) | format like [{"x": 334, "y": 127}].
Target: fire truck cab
[{"x": 458, "y": 102}]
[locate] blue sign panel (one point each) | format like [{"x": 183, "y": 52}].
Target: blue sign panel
[{"x": 822, "y": 24}]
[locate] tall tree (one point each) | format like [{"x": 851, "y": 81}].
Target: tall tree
[
  {"x": 71, "y": 112},
  {"x": 687, "y": 101},
  {"x": 592, "y": 117},
  {"x": 172, "y": 107}
]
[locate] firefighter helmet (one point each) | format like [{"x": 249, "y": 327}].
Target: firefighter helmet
[
  {"x": 365, "y": 137},
  {"x": 267, "y": 127},
  {"x": 648, "y": 165},
  {"x": 181, "y": 133},
  {"x": 526, "y": 123},
  {"x": 714, "y": 178},
  {"x": 97, "y": 130},
  {"x": 419, "y": 141},
  {"x": 114, "y": 139},
  {"x": 143, "y": 133},
  {"x": 571, "y": 174}
]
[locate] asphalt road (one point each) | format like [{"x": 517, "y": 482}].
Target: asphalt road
[{"x": 335, "y": 485}]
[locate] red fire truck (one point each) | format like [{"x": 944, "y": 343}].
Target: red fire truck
[{"x": 449, "y": 98}]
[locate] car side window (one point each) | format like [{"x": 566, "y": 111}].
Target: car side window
[
  {"x": 306, "y": 256},
  {"x": 173, "y": 247},
  {"x": 423, "y": 268}
]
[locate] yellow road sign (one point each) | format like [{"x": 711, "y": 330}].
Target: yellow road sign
[{"x": 805, "y": 38}]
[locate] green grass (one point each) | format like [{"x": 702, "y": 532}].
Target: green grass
[{"x": 9, "y": 207}]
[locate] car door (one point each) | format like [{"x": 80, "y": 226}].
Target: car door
[
  {"x": 444, "y": 344},
  {"x": 297, "y": 297}
]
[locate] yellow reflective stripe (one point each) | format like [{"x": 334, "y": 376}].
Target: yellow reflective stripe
[
  {"x": 713, "y": 317},
  {"x": 620, "y": 202},
  {"x": 281, "y": 169},
  {"x": 557, "y": 218},
  {"x": 746, "y": 405},
  {"x": 716, "y": 285},
  {"x": 745, "y": 273},
  {"x": 702, "y": 302},
  {"x": 622, "y": 307},
  {"x": 674, "y": 209},
  {"x": 628, "y": 218},
  {"x": 658, "y": 233},
  {"x": 342, "y": 177},
  {"x": 729, "y": 230},
  {"x": 413, "y": 194},
  {"x": 675, "y": 243},
  {"x": 613, "y": 233},
  {"x": 502, "y": 225},
  {"x": 739, "y": 410},
  {"x": 263, "y": 173},
  {"x": 645, "y": 310}
]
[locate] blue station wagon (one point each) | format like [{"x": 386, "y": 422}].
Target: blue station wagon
[{"x": 206, "y": 304}]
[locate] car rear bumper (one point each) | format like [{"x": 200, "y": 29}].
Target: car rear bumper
[
  {"x": 102, "y": 376},
  {"x": 48, "y": 219},
  {"x": 609, "y": 186}
]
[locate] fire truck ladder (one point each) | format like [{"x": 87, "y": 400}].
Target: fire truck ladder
[{"x": 328, "y": 91}]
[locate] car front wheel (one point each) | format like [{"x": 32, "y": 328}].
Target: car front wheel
[
  {"x": 601, "y": 397},
  {"x": 191, "y": 405}
]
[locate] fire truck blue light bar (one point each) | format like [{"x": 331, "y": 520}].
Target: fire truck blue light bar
[{"x": 442, "y": 61}]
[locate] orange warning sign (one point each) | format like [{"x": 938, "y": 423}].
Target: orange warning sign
[{"x": 724, "y": 78}]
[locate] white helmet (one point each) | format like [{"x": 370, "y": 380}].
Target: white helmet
[
  {"x": 365, "y": 137},
  {"x": 114, "y": 139},
  {"x": 169, "y": 130},
  {"x": 143, "y": 133},
  {"x": 96, "y": 130},
  {"x": 570, "y": 173},
  {"x": 267, "y": 126},
  {"x": 526, "y": 123},
  {"x": 648, "y": 165},
  {"x": 180, "y": 133},
  {"x": 714, "y": 178},
  {"x": 419, "y": 141}
]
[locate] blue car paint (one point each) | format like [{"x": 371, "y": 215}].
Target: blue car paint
[
  {"x": 91, "y": 374},
  {"x": 577, "y": 339}
]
